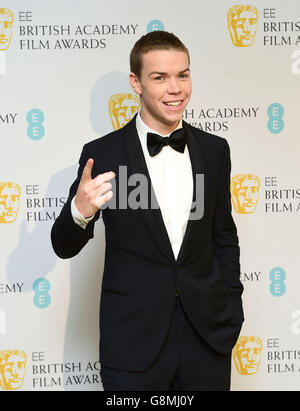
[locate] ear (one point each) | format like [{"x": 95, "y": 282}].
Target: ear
[{"x": 135, "y": 83}]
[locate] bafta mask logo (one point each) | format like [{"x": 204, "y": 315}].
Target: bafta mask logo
[
  {"x": 247, "y": 355},
  {"x": 9, "y": 202},
  {"x": 122, "y": 108},
  {"x": 244, "y": 193},
  {"x": 6, "y": 28},
  {"x": 242, "y": 24},
  {"x": 12, "y": 369}
]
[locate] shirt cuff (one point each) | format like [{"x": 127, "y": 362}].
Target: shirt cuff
[{"x": 78, "y": 217}]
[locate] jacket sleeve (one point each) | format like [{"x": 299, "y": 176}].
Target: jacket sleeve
[
  {"x": 226, "y": 251},
  {"x": 67, "y": 237}
]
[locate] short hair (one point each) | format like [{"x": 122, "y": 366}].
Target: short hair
[{"x": 155, "y": 40}]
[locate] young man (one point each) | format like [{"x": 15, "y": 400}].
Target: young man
[{"x": 171, "y": 307}]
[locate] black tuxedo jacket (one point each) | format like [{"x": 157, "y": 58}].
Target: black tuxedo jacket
[{"x": 141, "y": 275}]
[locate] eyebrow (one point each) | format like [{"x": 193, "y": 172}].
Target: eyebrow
[{"x": 161, "y": 73}]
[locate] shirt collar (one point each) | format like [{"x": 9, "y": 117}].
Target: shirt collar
[{"x": 143, "y": 129}]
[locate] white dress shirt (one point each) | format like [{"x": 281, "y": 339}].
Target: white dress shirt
[{"x": 172, "y": 181}]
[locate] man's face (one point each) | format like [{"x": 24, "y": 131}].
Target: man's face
[
  {"x": 6, "y": 24},
  {"x": 164, "y": 88},
  {"x": 244, "y": 28}
]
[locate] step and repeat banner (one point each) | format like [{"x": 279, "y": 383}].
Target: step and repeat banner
[{"x": 64, "y": 68}]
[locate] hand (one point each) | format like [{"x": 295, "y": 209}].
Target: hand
[{"x": 92, "y": 193}]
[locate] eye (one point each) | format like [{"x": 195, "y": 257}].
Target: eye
[{"x": 184, "y": 75}]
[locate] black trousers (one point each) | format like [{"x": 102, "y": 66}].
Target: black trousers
[{"x": 185, "y": 363}]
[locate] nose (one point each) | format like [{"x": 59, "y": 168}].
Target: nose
[{"x": 173, "y": 86}]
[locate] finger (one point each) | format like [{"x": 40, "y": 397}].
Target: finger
[
  {"x": 103, "y": 178},
  {"x": 102, "y": 199},
  {"x": 107, "y": 186},
  {"x": 87, "y": 171},
  {"x": 107, "y": 196}
]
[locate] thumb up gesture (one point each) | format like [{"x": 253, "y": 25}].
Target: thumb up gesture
[{"x": 92, "y": 193}]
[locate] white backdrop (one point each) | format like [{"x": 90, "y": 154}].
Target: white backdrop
[{"x": 60, "y": 63}]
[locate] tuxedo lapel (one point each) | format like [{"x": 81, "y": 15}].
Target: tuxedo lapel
[
  {"x": 137, "y": 165},
  {"x": 195, "y": 151},
  {"x": 153, "y": 217}
]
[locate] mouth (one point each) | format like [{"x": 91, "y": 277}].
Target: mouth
[{"x": 173, "y": 105}]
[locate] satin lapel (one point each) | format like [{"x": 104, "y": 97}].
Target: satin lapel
[
  {"x": 195, "y": 152},
  {"x": 137, "y": 165}
]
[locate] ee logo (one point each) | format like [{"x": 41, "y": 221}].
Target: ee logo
[
  {"x": 155, "y": 25},
  {"x": 275, "y": 113},
  {"x": 277, "y": 277},
  {"x": 41, "y": 287},
  {"x": 35, "y": 119}
]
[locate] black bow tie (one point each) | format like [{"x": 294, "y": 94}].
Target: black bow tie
[{"x": 177, "y": 140}]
